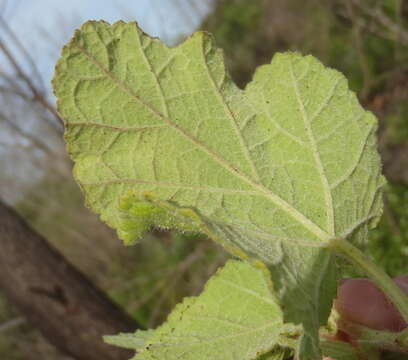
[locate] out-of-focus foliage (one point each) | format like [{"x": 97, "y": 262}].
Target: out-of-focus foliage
[
  {"x": 389, "y": 242},
  {"x": 397, "y": 123},
  {"x": 334, "y": 31}
]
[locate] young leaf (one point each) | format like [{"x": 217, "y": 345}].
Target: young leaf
[
  {"x": 274, "y": 171},
  {"x": 235, "y": 317}
]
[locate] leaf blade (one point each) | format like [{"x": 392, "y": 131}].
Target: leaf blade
[
  {"x": 274, "y": 171},
  {"x": 236, "y": 316}
]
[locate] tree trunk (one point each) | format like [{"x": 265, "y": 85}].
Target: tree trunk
[{"x": 55, "y": 297}]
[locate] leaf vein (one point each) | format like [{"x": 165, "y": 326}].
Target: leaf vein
[
  {"x": 231, "y": 116},
  {"x": 316, "y": 155}
]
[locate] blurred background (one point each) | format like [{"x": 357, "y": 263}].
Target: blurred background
[{"x": 367, "y": 40}]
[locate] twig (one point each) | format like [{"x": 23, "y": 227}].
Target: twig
[
  {"x": 384, "y": 20},
  {"x": 360, "y": 51},
  {"x": 35, "y": 141},
  {"x": 25, "y": 53},
  {"x": 177, "y": 273},
  {"x": 37, "y": 96}
]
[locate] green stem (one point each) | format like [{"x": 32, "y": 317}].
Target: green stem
[
  {"x": 403, "y": 338},
  {"x": 376, "y": 274}
]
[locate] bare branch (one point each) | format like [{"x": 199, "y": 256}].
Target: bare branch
[
  {"x": 37, "y": 96},
  {"x": 24, "y": 52},
  {"x": 376, "y": 14},
  {"x": 30, "y": 137}
]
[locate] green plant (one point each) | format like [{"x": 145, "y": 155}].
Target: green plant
[{"x": 284, "y": 175}]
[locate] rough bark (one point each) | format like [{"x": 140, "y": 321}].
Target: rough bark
[{"x": 54, "y": 296}]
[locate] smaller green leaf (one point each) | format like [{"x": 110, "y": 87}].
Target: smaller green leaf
[{"x": 236, "y": 316}]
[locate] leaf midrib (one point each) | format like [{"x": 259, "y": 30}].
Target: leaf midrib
[
  {"x": 316, "y": 155},
  {"x": 289, "y": 209}
]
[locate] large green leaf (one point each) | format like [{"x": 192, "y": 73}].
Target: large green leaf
[
  {"x": 273, "y": 172},
  {"x": 236, "y": 317}
]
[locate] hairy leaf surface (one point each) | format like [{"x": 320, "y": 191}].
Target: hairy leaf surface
[
  {"x": 272, "y": 172},
  {"x": 236, "y": 317}
]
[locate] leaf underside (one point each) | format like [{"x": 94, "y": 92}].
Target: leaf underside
[
  {"x": 236, "y": 317},
  {"x": 272, "y": 172}
]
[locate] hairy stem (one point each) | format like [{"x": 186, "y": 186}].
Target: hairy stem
[{"x": 375, "y": 273}]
